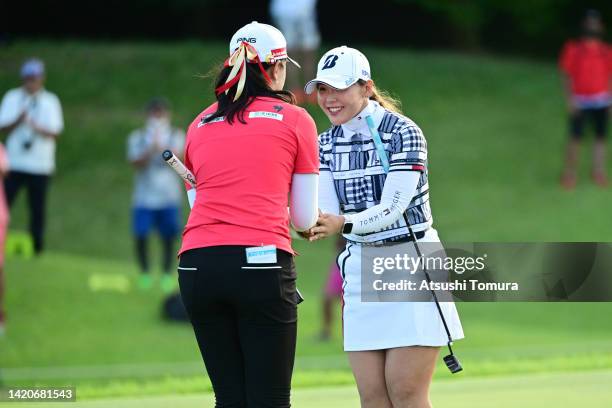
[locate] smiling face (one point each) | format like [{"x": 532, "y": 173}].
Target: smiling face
[{"x": 342, "y": 105}]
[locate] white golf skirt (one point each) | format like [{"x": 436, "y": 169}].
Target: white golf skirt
[{"x": 384, "y": 325}]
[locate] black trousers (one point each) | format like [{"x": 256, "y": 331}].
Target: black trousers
[
  {"x": 36, "y": 186},
  {"x": 599, "y": 118},
  {"x": 245, "y": 322}
]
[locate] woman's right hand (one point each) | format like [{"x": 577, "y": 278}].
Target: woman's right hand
[
  {"x": 305, "y": 234},
  {"x": 327, "y": 225}
]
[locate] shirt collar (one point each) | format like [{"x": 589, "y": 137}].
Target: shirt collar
[
  {"x": 25, "y": 92},
  {"x": 359, "y": 125}
]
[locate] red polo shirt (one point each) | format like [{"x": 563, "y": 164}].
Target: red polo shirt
[
  {"x": 588, "y": 63},
  {"x": 243, "y": 174}
]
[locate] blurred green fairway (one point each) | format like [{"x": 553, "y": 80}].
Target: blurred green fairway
[
  {"x": 495, "y": 128},
  {"x": 508, "y": 392},
  {"x": 80, "y": 321}
]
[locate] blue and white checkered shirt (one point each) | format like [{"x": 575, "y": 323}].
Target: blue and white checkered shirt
[{"x": 348, "y": 151}]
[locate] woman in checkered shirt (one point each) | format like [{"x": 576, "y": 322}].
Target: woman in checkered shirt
[{"x": 392, "y": 346}]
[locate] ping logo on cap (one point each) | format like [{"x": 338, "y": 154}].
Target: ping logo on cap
[
  {"x": 330, "y": 62},
  {"x": 250, "y": 40}
]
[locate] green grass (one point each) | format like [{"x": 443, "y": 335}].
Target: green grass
[
  {"x": 495, "y": 128},
  {"x": 496, "y": 132},
  {"x": 531, "y": 391},
  {"x": 80, "y": 321}
]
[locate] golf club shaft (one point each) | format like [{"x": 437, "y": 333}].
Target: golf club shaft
[{"x": 420, "y": 255}]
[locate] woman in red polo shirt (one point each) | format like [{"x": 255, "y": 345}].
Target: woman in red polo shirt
[
  {"x": 586, "y": 65},
  {"x": 248, "y": 151}
]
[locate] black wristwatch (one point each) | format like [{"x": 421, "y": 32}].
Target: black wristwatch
[{"x": 348, "y": 225}]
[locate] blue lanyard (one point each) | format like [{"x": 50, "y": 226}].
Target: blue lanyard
[{"x": 380, "y": 150}]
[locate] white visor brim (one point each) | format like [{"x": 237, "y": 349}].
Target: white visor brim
[{"x": 336, "y": 83}]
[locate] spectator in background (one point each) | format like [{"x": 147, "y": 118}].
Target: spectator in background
[
  {"x": 297, "y": 20},
  {"x": 157, "y": 190},
  {"x": 586, "y": 64},
  {"x": 32, "y": 117},
  {"x": 4, "y": 219}
]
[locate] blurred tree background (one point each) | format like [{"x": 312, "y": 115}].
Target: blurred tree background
[{"x": 535, "y": 27}]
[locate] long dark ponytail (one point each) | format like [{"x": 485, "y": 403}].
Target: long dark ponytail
[{"x": 255, "y": 85}]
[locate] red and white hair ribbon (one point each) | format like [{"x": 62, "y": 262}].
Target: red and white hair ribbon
[{"x": 245, "y": 53}]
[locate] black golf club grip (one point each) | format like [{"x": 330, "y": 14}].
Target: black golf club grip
[{"x": 167, "y": 155}]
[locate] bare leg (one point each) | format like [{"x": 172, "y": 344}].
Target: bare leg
[
  {"x": 408, "y": 373},
  {"x": 369, "y": 371},
  {"x": 328, "y": 302},
  {"x": 1, "y": 289},
  {"x": 2, "y": 316},
  {"x": 568, "y": 180},
  {"x": 599, "y": 162}
]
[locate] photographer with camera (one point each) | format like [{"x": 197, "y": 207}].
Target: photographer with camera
[{"x": 32, "y": 118}]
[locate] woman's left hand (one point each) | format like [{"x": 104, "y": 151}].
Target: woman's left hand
[{"x": 327, "y": 225}]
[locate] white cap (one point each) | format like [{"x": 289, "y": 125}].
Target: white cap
[
  {"x": 269, "y": 42},
  {"x": 32, "y": 68},
  {"x": 340, "y": 68}
]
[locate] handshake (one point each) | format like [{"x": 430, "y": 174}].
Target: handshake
[{"x": 327, "y": 225}]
